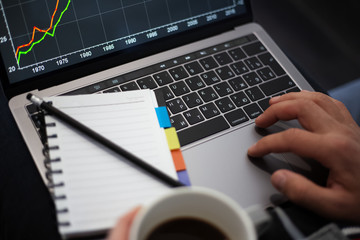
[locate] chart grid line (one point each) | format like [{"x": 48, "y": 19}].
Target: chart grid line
[
  {"x": 67, "y": 33},
  {"x": 7, "y": 27},
  {"x": 122, "y": 38}
]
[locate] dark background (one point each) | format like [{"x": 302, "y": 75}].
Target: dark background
[{"x": 320, "y": 37}]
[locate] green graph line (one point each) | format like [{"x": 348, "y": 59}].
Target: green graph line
[{"x": 43, "y": 37}]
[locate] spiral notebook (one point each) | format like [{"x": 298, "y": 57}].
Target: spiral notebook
[{"x": 92, "y": 186}]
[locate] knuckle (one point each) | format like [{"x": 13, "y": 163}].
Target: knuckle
[
  {"x": 291, "y": 94},
  {"x": 321, "y": 97},
  {"x": 290, "y": 135},
  {"x": 340, "y": 104},
  {"x": 304, "y": 104},
  {"x": 340, "y": 142}
]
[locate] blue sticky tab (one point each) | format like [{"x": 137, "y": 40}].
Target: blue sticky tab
[
  {"x": 163, "y": 117},
  {"x": 184, "y": 177}
]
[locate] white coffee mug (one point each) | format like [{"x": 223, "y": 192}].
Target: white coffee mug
[{"x": 198, "y": 203}]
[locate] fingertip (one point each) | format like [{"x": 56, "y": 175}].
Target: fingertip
[
  {"x": 278, "y": 179},
  {"x": 274, "y": 100},
  {"x": 259, "y": 119},
  {"x": 252, "y": 150}
]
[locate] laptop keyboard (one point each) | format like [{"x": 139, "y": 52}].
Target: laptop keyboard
[{"x": 207, "y": 91}]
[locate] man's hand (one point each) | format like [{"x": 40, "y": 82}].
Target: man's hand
[
  {"x": 122, "y": 229},
  {"x": 330, "y": 136}
]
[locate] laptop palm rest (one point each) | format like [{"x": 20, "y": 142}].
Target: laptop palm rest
[{"x": 223, "y": 164}]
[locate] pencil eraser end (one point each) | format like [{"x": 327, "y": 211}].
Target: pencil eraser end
[{"x": 29, "y": 96}]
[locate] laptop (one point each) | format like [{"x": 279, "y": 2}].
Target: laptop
[{"x": 214, "y": 67}]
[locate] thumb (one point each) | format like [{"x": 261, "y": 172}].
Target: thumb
[{"x": 304, "y": 192}]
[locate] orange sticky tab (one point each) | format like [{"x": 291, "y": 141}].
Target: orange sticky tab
[
  {"x": 172, "y": 138},
  {"x": 178, "y": 160}
]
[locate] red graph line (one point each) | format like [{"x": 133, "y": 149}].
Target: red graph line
[{"x": 40, "y": 30}]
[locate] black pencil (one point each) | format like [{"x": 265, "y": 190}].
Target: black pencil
[{"x": 103, "y": 141}]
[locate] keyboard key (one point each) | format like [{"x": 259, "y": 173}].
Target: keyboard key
[
  {"x": 195, "y": 83},
  {"x": 295, "y": 89},
  {"x": 237, "y": 54},
  {"x": 264, "y": 104},
  {"x": 277, "y": 85},
  {"x": 223, "y": 58},
  {"x": 269, "y": 60},
  {"x": 208, "y": 94},
  {"x": 112, "y": 90},
  {"x": 225, "y": 104},
  {"x": 209, "y": 110},
  {"x": 38, "y": 120},
  {"x": 253, "y": 63},
  {"x": 225, "y": 73},
  {"x": 114, "y": 82},
  {"x": 83, "y": 90},
  {"x": 223, "y": 89},
  {"x": 254, "y": 48},
  {"x": 167, "y": 94},
  {"x": 178, "y": 73},
  {"x": 97, "y": 87},
  {"x": 165, "y": 65},
  {"x": 176, "y": 105},
  {"x": 251, "y": 37},
  {"x": 194, "y": 116},
  {"x": 202, "y": 130},
  {"x": 239, "y": 68},
  {"x": 163, "y": 78},
  {"x": 254, "y": 94},
  {"x": 187, "y": 58},
  {"x": 194, "y": 68},
  {"x": 147, "y": 83},
  {"x": 179, "y": 88},
  {"x": 237, "y": 84},
  {"x": 252, "y": 78},
  {"x": 32, "y": 108},
  {"x": 210, "y": 78},
  {"x": 178, "y": 122},
  {"x": 236, "y": 117},
  {"x": 240, "y": 99},
  {"x": 266, "y": 73},
  {"x": 253, "y": 110},
  {"x": 192, "y": 100},
  {"x": 129, "y": 86},
  {"x": 208, "y": 63}
]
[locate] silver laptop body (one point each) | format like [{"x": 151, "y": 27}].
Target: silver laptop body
[{"x": 218, "y": 161}]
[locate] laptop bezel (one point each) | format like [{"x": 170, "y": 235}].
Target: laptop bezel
[{"x": 73, "y": 72}]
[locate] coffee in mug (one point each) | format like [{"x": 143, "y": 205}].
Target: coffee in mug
[
  {"x": 192, "y": 213},
  {"x": 186, "y": 228}
]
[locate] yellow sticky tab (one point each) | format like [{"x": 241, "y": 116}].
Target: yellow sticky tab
[{"x": 172, "y": 138}]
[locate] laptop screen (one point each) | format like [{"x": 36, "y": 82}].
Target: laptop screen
[{"x": 42, "y": 36}]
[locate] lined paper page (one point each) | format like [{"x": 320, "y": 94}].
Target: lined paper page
[{"x": 100, "y": 186}]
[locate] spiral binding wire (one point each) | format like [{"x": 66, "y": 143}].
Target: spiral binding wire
[{"x": 50, "y": 172}]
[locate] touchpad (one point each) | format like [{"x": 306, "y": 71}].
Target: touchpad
[{"x": 309, "y": 168}]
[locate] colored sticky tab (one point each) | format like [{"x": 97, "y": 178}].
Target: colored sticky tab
[
  {"x": 184, "y": 178},
  {"x": 172, "y": 138},
  {"x": 163, "y": 117},
  {"x": 178, "y": 160}
]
